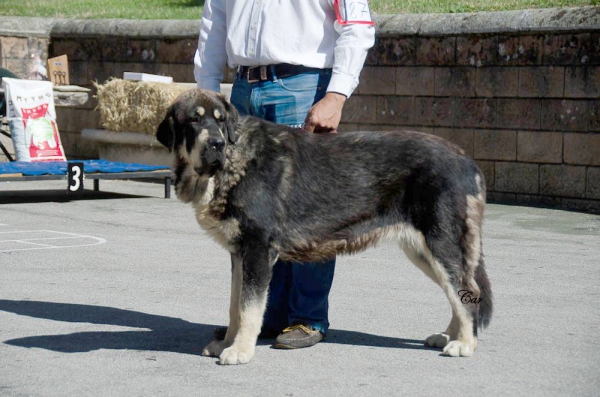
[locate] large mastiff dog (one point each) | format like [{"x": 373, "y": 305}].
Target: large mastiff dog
[{"x": 266, "y": 191}]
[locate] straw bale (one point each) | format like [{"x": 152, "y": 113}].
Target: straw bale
[{"x": 134, "y": 106}]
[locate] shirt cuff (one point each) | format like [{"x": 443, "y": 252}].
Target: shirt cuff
[
  {"x": 342, "y": 84},
  {"x": 209, "y": 84}
]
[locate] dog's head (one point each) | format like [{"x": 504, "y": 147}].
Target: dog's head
[{"x": 198, "y": 127}]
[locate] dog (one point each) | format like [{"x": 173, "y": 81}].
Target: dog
[{"x": 266, "y": 191}]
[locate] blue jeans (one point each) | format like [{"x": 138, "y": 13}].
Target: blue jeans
[{"x": 298, "y": 291}]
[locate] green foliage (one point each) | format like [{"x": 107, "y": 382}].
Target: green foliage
[{"x": 192, "y": 9}]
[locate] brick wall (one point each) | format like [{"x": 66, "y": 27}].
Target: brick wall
[{"x": 519, "y": 91}]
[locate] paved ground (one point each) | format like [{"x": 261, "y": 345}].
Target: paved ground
[{"x": 116, "y": 294}]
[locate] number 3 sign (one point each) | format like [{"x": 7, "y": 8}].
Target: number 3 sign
[
  {"x": 75, "y": 173},
  {"x": 349, "y": 12}
]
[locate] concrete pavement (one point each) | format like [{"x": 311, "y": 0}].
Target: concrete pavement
[{"x": 117, "y": 293}]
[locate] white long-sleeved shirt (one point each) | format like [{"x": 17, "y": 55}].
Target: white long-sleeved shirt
[{"x": 267, "y": 32}]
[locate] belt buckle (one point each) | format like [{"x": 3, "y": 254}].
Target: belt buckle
[{"x": 263, "y": 74}]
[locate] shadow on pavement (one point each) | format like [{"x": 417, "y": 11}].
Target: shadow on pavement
[
  {"x": 45, "y": 196},
  {"x": 158, "y": 333}
]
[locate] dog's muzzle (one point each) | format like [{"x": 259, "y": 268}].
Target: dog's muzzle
[{"x": 213, "y": 156}]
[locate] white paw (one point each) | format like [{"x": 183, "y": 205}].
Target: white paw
[
  {"x": 214, "y": 349},
  {"x": 234, "y": 355},
  {"x": 458, "y": 349},
  {"x": 437, "y": 340}
]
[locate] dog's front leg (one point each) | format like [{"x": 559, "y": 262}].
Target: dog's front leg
[
  {"x": 216, "y": 347},
  {"x": 248, "y": 303}
]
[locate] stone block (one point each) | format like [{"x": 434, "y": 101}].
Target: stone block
[
  {"x": 539, "y": 147},
  {"x": 17, "y": 66},
  {"x": 497, "y": 82},
  {"x": 516, "y": 177},
  {"x": 565, "y": 115},
  {"x": 455, "y": 81},
  {"x": 395, "y": 110},
  {"x": 176, "y": 50},
  {"x": 100, "y": 71},
  {"x": 568, "y": 49},
  {"x": 582, "y": 82},
  {"x": 182, "y": 73},
  {"x": 541, "y": 81},
  {"x": 436, "y": 51},
  {"x": 65, "y": 46},
  {"x": 76, "y": 120},
  {"x": 114, "y": 49},
  {"x": 142, "y": 50},
  {"x": 372, "y": 58},
  {"x": 434, "y": 112},
  {"x": 495, "y": 145},
  {"x": 537, "y": 200},
  {"x": 89, "y": 49},
  {"x": 518, "y": 113},
  {"x": 562, "y": 180},
  {"x": 347, "y": 127},
  {"x": 78, "y": 73},
  {"x": 377, "y": 80},
  {"x": 15, "y": 48},
  {"x": 592, "y": 186},
  {"x": 415, "y": 81},
  {"x": 461, "y": 137},
  {"x": 395, "y": 51},
  {"x": 591, "y": 206},
  {"x": 582, "y": 149},
  {"x": 476, "y": 50},
  {"x": 500, "y": 197},
  {"x": 360, "y": 109},
  {"x": 475, "y": 112},
  {"x": 594, "y": 114},
  {"x": 519, "y": 50}
]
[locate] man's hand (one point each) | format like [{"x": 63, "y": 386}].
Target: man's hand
[{"x": 325, "y": 115}]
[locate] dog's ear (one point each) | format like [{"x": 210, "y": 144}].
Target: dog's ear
[
  {"x": 165, "y": 133},
  {"x": 232, "y": 121}
]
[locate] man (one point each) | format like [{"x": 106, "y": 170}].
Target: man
[{"x": 297, "y": 62}]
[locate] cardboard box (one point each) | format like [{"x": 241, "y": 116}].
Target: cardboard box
[{"x": 58, "y": 70}]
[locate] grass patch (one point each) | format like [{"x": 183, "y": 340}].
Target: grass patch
[
  {"x": 451, "y": 6},
  {"x": 192, "y": 9}
]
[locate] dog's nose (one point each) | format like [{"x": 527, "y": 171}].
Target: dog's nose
[{"x": 216, "y": 143}]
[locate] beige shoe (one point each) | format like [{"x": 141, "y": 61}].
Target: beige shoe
[{"x": 298, "y": 336}]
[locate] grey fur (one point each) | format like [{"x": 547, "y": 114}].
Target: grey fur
[{"x": 284, "y": 192}]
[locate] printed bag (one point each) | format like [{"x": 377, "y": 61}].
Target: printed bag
[{"x": 32, "y": 120}]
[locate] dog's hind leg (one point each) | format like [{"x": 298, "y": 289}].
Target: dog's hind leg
[
  {"x": 458, "y": 339},
  {"x": 248, "y": 302}
]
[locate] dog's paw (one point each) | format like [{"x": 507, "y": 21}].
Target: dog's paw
[
  {"x": 458, "y": 349},
  {"x": 234, "y": 355},
  {"x": 437, "y": 340},
  {"x": 214, "y": 349}
]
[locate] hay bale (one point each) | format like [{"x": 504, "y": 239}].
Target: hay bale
[{"x": 135, "y": 106}]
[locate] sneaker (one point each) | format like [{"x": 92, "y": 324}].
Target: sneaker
[
  {"x": 219, "y": 333},
  {"x": 298, "y": 336}
]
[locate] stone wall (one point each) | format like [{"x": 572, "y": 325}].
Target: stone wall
[{"x": 519, "y": 91}]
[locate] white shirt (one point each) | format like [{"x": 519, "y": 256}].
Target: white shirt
[{"x": 266, "y": 32}]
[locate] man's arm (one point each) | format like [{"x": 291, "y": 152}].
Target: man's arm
[
  {"x": 349, "y": 57},
  {"x": 211, "y": 54}
]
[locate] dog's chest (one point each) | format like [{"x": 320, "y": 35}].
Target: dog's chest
[{"x": 223, "y": 231}]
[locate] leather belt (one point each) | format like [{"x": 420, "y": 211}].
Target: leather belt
[{"x": 269, "y": 72}]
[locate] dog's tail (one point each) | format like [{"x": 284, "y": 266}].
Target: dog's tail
[{"x": 486, "y": 304}]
